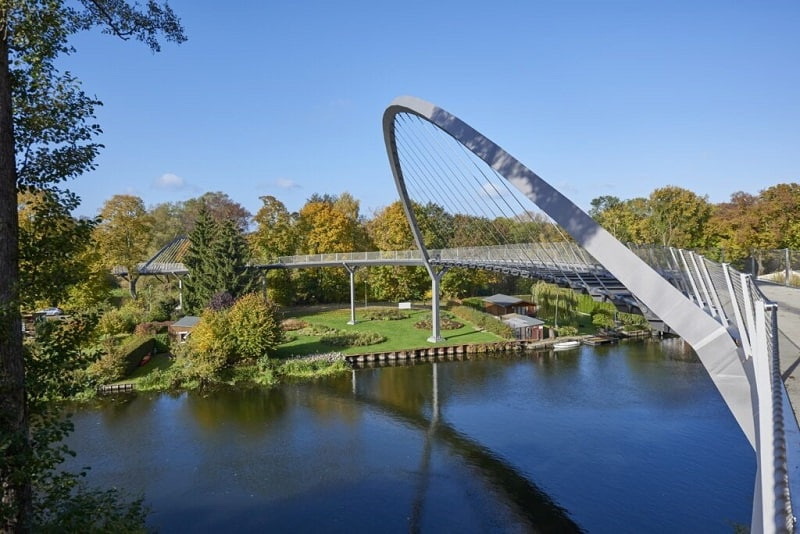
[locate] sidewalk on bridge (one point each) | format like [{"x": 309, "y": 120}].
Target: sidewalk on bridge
[{"x": 788, "y": 301}]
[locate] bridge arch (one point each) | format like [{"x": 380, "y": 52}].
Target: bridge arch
[{"x": 748, "y": 394}]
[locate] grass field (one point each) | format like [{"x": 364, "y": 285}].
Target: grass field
[{"x": 400, "y": 334}]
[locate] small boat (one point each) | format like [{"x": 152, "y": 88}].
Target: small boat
[{"x": 566, "y": 345}]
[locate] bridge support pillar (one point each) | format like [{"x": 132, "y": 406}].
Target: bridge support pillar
[
  {"x": 352, "y": 270},
  {"x": 180, "y": 291},
  {"x": 436, "y": 278}
]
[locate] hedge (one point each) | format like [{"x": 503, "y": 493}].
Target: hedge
[
  {"x": 490, "y": 323},
  {"x": 134, "y": 350}
]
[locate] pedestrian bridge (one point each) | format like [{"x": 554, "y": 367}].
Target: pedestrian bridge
[{"x": 438, "y": 160}]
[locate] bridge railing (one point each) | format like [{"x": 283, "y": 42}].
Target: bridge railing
[
  {"x": 735, "y": 301},
  {"x": 344, "y": 257}
]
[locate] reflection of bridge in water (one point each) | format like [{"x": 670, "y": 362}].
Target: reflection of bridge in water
[{"x": 531, "y": 504}]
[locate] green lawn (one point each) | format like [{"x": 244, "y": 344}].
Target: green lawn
[{"x": 400, "y": 334}]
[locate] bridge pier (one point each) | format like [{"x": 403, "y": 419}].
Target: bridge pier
[
  {"x": 352, "y": 270},
  {"x": 436, "y": 278}
]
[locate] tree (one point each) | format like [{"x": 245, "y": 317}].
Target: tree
[
  {"x": 275, "y": 234},
  {"x": 389, "y": 230},
  {"x": 677, "y": 218},
  {"x": 123, "y": 235},
  {"x": 624, "y": 220},
  {"x": 554, "y": 302},
  {"x": 324, "y": 226},
  {"x": 220, "y": 207},
  {"x": 603, "y": 203},
  {"x": 216, "y": 259},
  {"x": 46, "y": 134},
  {"x": 52, "y": 248}
]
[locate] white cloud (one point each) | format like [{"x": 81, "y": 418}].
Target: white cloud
[
  {"x": 285, "y": 183},
  {"x": 492, "y": 190},
  {"x": 170, "y": 181}
]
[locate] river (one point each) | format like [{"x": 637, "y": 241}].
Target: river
[{"x": 626, "y": 438}]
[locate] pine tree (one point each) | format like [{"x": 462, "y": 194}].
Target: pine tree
[
  {"x": 217, "y": 262},
  {"x": 197, "y": 291}
]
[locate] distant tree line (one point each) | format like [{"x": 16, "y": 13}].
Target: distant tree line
[{"x": 225, "y": 237}]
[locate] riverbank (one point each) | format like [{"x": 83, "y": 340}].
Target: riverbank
[{"x": 307, "y": 353}]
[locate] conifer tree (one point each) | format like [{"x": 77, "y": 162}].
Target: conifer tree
[{"x": 217, "y": 262}]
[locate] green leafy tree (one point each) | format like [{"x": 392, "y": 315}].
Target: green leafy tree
[
  {"x": 558, "y": 304},
  {"x": 255, "y": 326},
  {"x": 389, "y": 230},
  {"x": 123, "y": 235},
  {"x": 276, "y": 233},
  {"x": 46, "y": 137},
  {"x": 677, "y": 218},
  {"x": 52, "y": 248}
]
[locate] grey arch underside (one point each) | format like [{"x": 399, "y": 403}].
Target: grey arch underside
[{"x": 720, "y": 355}]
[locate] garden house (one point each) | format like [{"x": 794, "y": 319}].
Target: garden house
[
  {"x": 525, "y": 328},
  {"x": 180, "y": 329},
  {"x": 500, "y": 305}
]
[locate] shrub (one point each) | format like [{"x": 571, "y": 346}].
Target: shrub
[
  {"x": 485, "y": 321},
  {"x": 120, "y": 361},
  {"x": 255, "y": 326},
  {"x": 293, "y": 324},
  {"x": 114, "y": 322},
  {"x": 567, "y": 330},
  {"x": 385, "y": 314},
  {"x": 109, "y": 368},
  {"x": 445, "y": 322},
  {"x": 340, "y": 338},
  {"x": 603, "y": 319},
  {"x": 212, "y": 338}
]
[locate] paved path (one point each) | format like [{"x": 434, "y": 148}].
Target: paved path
[{"x": 788, "y": 301}]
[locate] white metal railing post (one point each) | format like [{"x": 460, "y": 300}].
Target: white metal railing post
[{"x": 744, "y": 337}]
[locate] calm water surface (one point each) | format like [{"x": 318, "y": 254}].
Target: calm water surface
[{"x": 628, "y": 438}]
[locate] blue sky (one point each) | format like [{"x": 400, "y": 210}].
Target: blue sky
[{"x": 597, "y": 97}]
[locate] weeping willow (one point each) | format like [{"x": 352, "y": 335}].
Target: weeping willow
[{"x": 556, "y": 304}]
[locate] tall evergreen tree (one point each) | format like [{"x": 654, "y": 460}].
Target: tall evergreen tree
[
  {"x": 197, "y": 290},
  {"x": 217, "y": 260}
]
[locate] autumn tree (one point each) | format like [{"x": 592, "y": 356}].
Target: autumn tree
[
  {"x": 46, "y": 137},
  {"x": 275, "y": 235},
  {"x": 276, "y": 231},
  {"x": 220, "y": 207},
  {"x": 123, "y": 235},
  {"x": 677, "y": 217},
  {"x": 328, "y": 224},
  {"x": 389, "y": 230},
  {"x": 625, "y": 220}
]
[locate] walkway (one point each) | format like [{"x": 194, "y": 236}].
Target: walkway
[{"x": 788, "y": 301}]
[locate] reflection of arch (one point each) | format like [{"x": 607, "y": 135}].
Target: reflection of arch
[
  {"x": 728, "y": 365},
  {"x": 526, "y": 498}
]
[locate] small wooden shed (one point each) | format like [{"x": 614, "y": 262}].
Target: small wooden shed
[
  {"x": 525, "y": 328},
  {"x": 180, "y": 329},
  {"x": 500, "y": 305}
]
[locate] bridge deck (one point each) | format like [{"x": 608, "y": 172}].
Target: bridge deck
[{"x": 788, "y": 301}]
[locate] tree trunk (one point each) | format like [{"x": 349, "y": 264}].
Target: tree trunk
[{"x": 15, "y": 487}]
